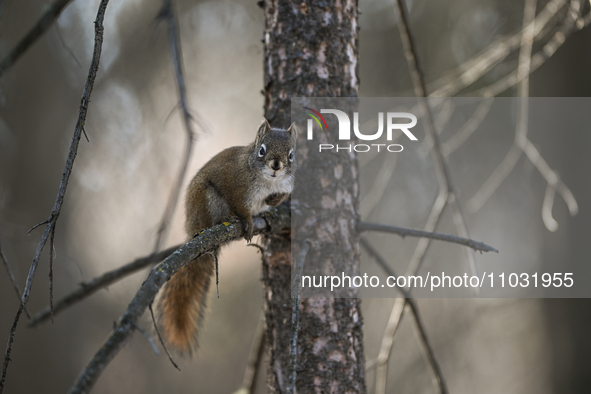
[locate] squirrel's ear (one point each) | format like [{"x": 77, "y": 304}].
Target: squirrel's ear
[
  {"x": 263, "y": 128},
  {"x": 264, "y": 125},
  {"x": 293, "y": 131}
]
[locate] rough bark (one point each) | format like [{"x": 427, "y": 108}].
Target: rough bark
[{"x": 311, "y": 51}]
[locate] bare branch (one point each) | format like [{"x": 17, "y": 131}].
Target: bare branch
[
  {"x": 295, "y": 313},
  {"x": 411, "y": 232},
  {"x": 51, "y": 14},
  {"x": 472, "y": 70},
  {"x": 205, "y": 242},
  {"x": 51, "y": 251},
  {"x": 381, "y": 363},
  {"x": 443, "y": 175},
  {"x": 570, "y": 24},
  {"x": 462, "y": 135},
  {"x": 67, "y": 48},
  {"x": 87, "y": 289},
  {"x": 522, "y": 142},
  {"x": 217, "y": 273},
  {"x": 495, "y": 179},
  {"x": 523, "y": 70},
  {"x": 382, "y": 360},
  {"x": 428, "y": 352},
  {"x": 550, "y": 223},
  {"x": 167, "y": 12},
  {"x": 375, "y": 194},
  {"x": 9, "y": 346},
  {"x": 11, "y": 276},
  {"x": 434, "y": 216},
  {"x": 37, "y": 225},
  {"x": 550, "y": 176},
  {"x": 50, "y": 228},
  {"x": 160, "y": 338},
  {"x": 257, "y": 350},
  {"x": 148, "y": 337},
  {"x": 255, "y": 358},
  {"x": 442, "y": 117},
  {"x": 445, "y": 194}
]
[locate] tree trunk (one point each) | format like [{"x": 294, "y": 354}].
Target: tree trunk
[{"x": 311, "y": 51}]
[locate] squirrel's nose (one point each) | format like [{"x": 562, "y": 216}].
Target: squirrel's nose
[{"x": 276, "y": 165}]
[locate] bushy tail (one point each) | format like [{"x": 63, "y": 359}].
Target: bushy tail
[{"x": 181, "y": 305}]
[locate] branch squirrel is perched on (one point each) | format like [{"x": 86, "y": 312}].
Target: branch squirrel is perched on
[{"x": 241, "y": 181}]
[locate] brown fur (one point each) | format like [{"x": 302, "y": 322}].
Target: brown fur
[
  {"x": 182, "y": 303},
  {"x": 236, "y": 182}
]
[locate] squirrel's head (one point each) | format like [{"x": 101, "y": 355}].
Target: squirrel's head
[{"x": 274, "y": 150}]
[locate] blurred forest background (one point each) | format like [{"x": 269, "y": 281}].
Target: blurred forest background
[{"x": 122, "y": 179}]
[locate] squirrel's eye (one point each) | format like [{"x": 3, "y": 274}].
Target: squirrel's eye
[
  {"x": 290, "y": 156},
  {"x": 262, "y": 150}
]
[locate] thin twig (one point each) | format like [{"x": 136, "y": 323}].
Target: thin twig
[
  {"x": 167, "y": 13},
  {"x": 422, "y": 331},
  {"x": 378, "y": 188},
  {"x": 439, "y": 204},
  {"x": 37, "y": 225},
  {"x": 148, "y": 337},
  {"x": 462, "y": 135},
  {"x": 432, "y": 221},
  {"x": 11, "y": 277},
  {"x": 570, "y": 24},
  {"x": 257, "y": 350},
  {"x": 489, "y": 58},
  {"x": 411, "y": 232},
  {"x": 473, "y": 69},
  {"x": 87, "y": 289},
  {"x": 442, "y": 117},
  {"x": 217, "y": 273},
  {"x": 50, "y": 228},
  {"x": 495, "y": 179},
  {"x": 428, "y": 352},
  {"x": 9, "y": 346},
  {"x": 443, "y": 175},
  {"x": 205, "y": 242},
  {"x": 523, "y": 144},
  {"x": 381, "y": 363},
  {"x": 59, "y": 34},
  {"x": 51, "y": 252},
  {"x": 259, "y": 247},
  {"x": 85, "y": 135},
  {"x": 295, "y": 313},
  {"x": 160, "y": 337},
  {"x": 51, "y": 14}
]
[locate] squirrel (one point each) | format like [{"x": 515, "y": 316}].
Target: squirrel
[{"x": 240, "y": 181}]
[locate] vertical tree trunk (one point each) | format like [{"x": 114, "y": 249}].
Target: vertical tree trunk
[{"x": 311, "y": 51}]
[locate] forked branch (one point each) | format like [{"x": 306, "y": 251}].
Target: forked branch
[
  {"x": 176, "y": 53},
  {"x": 49, "y": 232},
  {"x": 207, "y": 241},
  {"x": 422, "y": 331},
  {"x": 87, "y": 289},
  {"x": 51, "y": 14}
]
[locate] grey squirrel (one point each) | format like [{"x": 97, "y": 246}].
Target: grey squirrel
[{"x": 240, "y": 181}]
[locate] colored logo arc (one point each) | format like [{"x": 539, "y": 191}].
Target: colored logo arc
[{"x": 315, "y": 118}]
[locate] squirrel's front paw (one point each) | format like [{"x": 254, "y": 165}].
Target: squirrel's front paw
[
  {"x": 275, "y": 199},
  {"x": 248, "y": 229}
]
